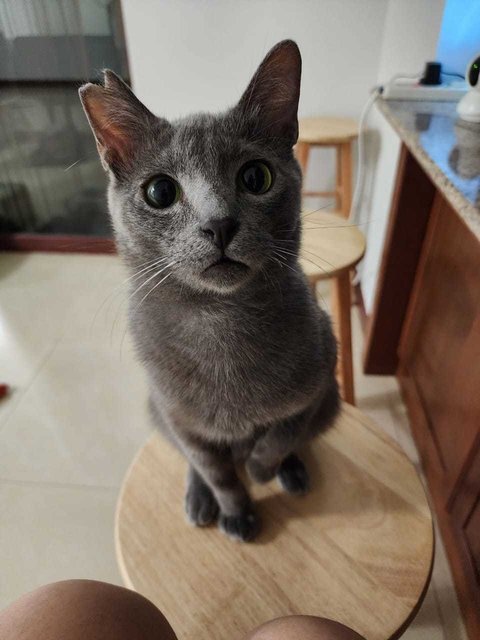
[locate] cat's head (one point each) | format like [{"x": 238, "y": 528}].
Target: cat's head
[{"x": 216, "y": 197}]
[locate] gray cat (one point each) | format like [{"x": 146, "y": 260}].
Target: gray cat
[{"x": 206, "y": 212}]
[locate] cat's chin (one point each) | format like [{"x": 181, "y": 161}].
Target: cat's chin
[{"x": 225, "y": 275}]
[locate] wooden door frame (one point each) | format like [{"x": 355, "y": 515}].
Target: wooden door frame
[
  {"x": 409, "y": 214},
  {"x": 56, "y": 243}
]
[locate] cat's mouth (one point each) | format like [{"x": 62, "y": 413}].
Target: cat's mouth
[
  {"x": 226, "y": 263},
  {"x": 225, "y": 274}
]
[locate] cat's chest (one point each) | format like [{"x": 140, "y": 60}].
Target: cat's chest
[
  {"x": 231, "y": 373},
  {"x": 220, "y": 368},
  {"x": 220, "y": 356}
]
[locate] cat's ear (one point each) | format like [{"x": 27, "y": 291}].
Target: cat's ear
[
  {"x": 271, "y": 98},
  {"x": 117, "y": 118}
]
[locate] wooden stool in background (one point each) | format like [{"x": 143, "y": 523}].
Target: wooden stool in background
[
  {"x": 357, "y": 549},
  {"x": 331, "y": 246},
  {"x": 338, "y": 133}
]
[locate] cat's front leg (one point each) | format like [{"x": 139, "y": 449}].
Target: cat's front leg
[
  {"x": 273, "y": 455},
  {"x": 201, "y": 505},
  {"x": 214, "y": 475}
]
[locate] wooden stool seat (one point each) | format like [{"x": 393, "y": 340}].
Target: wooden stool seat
[
  {"x": 327, "y": 131},
  {"x": 358, "y": 549},
  {"x": 330, "y": 245}
]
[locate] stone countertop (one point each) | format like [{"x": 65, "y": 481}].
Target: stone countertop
[{"x": 447, "y": 148}]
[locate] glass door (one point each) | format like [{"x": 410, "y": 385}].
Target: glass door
[{"x": 52, "y": 185}]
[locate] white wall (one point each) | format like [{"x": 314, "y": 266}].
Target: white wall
[
  {"x": 189, "y": 55},
  {"x": 198, "y": 55},
  {"x": 410, "y": 36},
  {"x": 409, "y": 40}
]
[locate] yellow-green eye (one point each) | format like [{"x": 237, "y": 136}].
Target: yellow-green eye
[
  {"x": 256, "y": 177},
  {"x": 162, "y": 191}
]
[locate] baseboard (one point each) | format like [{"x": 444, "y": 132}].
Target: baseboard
[{"x": 55, "y": 243}]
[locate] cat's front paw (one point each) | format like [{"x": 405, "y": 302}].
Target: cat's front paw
[
  {"x": 259, "y": 472},
  {"x": 200, "y": 505},
  {"x": 293, "y": 475},
  {"x": 243, "y": 527}
]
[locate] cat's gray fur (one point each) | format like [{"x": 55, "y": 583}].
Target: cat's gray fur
[{"x": 241, "y": 363}]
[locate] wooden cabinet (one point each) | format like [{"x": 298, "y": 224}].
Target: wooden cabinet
[
  {"x": 439, "y": 355},
  {"x": 425, "y": 327}
]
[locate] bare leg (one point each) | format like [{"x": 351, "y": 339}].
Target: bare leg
[
  {"x": 304, "y": 627},
  {"x": 81, "y": 609}
]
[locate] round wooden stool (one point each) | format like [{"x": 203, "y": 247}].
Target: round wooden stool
[
  {"x": 358, "y": 549},
  {"x": 331, "y": 248},
  {"x": 330, "y": 132}
]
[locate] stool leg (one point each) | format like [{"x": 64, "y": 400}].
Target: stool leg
[
  {"x": 342, "y": 322},
  {"x": 302, "y": 151},
  {"x": 346, "y": 178},
  {"x": 338, "y": 178}
]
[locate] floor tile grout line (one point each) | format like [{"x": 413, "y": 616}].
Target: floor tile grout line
[
  {"x": 57, "y": 485},
  {"x": 28, "y": 385}
]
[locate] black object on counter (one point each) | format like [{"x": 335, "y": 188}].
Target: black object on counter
[{"x": 432, "y": 73}]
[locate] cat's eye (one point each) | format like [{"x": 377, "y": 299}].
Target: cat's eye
[
  {"x": 255, "y": 177},
  {"x": 162, "y": 191}
]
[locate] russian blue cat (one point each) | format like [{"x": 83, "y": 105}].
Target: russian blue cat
[{"x": 206, "y": 212}]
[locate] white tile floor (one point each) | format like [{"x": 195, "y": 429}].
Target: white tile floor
[{"x": 77, "y": 414}]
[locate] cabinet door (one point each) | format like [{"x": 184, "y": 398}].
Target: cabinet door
[
  {"x": 466, "y": 519},
  {"x": 441, "y": 342}
]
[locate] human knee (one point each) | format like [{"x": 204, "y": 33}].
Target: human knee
[{"x": 79, "y": 609}]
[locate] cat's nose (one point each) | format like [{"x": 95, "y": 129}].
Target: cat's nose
[{"x": 221, "y": 230}]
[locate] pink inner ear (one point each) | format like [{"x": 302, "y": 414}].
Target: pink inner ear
[{"x": 112, "y": 137}]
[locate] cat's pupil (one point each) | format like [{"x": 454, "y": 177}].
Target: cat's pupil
[
  {"x": 162, "y": 192},
  {"x": 256, "y": 177}
]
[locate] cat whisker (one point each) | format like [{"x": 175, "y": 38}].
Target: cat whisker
[
  {"x": 330, "y": 226},
  {"x": 153, "y": 288},
  {"x": 325, "y": 306},
  {"x": 317, "y": 256},
  {"x": 143, "y": 299},
  {"x": 309, "y": 213},
  {"x": 291, "y": 253},
  {"x": 342, "y": 226},
  {"x": 277, "y": 261},
  {"x": 145, "y": 282},
  {"x": 284, "y": 264},
  {"x": 118, "y": 288},
  {"x": 283, "y": 261},
  {"x": 157, "y": 273}
]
